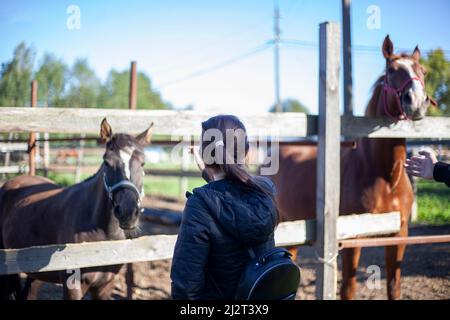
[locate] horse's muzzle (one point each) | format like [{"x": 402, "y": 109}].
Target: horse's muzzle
[{"x": 128, "y": 218}]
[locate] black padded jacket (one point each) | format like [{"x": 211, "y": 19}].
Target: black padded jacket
[
  {"x": 220, "y": 220},
  {"x": 441, "y": 173}
]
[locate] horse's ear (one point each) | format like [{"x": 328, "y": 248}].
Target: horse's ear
[
  {"x": 388, "y": 47},
  {"x": 416, "y": 54},
  {"x": 105, "y": 131},
  {"x": 145, "y": 137}
]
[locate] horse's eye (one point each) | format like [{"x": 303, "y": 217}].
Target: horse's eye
[
  {"x": 142, "y": 164},
  {"x": 391, "y": 70}
]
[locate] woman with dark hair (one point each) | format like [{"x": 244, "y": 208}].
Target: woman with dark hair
[{"x": 234, "y": 211}]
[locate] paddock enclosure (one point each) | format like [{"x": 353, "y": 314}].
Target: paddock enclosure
[{"x": 327, "y": 234}]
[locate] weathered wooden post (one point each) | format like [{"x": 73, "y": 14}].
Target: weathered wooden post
[
  {"x": 183, "y": 185},
  {"x": 129, "y": 276},
  {"x": 328, "y": 160},
  {"x": 46, "y": 151},
  {"x": 79, "y": 166},
  {"x": 32, "y": 139},
  {"x": 347, "y": 57},
  {"x": 133, "y": 87}
]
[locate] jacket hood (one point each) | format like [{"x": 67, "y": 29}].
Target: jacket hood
[{"x": 246, "y": 215}]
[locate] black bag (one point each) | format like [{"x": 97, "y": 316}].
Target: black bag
[{"x": 271, "y": 276}]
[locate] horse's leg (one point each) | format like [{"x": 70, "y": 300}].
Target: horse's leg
[
  {"x": 74, "y": 293},
  {"x": 10, "y": 287},
  {"x": 74, "y": 290},
  {"x": 9, "y": 284},
  {"x": 102, "y": 292},
  {"x": 350, "y": 260},
  {"x": 294, "y": 252},
  {"x": 30, "y": 289},
  {"x": 394, "y": 258}
]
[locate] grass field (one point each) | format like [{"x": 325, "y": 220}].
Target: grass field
[{"x": 433, "y": 198}]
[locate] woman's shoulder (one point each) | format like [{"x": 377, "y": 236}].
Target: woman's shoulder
[
  {"x": 267, "y": 183},
  {"x": 203, "y": 195}
]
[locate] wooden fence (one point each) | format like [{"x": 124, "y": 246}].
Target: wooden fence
[
  {"x": 180, "y": 123},
  {"x": 326, "y": 231},
  {"x": 148, "y": 248}
]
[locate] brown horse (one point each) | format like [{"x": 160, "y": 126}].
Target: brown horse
[
  {"x": 372, "y": 175},
  {"x": 35, "y": 211}
]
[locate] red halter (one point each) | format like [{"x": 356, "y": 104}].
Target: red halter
[{"x": 398, "y": 92}]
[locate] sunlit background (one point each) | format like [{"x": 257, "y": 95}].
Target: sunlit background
[{"x": 216, "y": 55}]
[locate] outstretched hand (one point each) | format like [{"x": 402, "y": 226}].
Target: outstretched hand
[
  {"x": 198, "y": 159},
  {"x": 421, "y": 166},
  {"x": 207, "y": 174}
]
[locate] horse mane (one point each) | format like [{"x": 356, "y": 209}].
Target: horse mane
[
  {"x": 377, "y": 87},
  {"x": 93, "y": 176}
]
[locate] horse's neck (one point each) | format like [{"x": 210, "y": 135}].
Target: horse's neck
[
  {"x": 375, "y": 106},
  {"x": 387, "y": 155},
  {"x": 100, "y": 210}
]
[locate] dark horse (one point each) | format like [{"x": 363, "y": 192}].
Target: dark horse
[
  {"x": 372, "y": 176},
  {"x": 34, "y": 211}
]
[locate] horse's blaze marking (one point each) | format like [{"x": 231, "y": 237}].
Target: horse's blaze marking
[
  {"x": 125, "y": 155},
  {"x": 417, "y": 90}
]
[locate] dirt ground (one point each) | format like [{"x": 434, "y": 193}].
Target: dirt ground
[{"x": 425, "y": 271}]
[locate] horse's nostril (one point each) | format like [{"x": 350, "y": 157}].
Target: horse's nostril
[
  {"x": 407, "y": 98},
  {"x": 118, "y": 211}
]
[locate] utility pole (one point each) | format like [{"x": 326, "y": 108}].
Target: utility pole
[
  {"x": 347, "y": 58},
  {"x": 32, "y": 138},
  {"x": 133, "y": 87},
  {"x": 276, "y": 54}
]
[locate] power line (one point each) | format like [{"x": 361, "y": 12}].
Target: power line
[
  {"x": 214, "y": 67},
  {"x": 216, "y": 43},
  {"x": 360, "y": 48},
  {"x": 276, "y": 54}
]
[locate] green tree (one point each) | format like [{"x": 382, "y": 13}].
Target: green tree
[
  {"x": 438, "y": 81},
  {"x": 51, "y": 77},
  {"x": 291, "y": 105},
  {"x": 147, "y": 96},
  {"x": 115, "y": 92},
  {"x": 77, "y": 86},
  {"x": 84, "y": 86},
  {"x": 16, "y": 76}
]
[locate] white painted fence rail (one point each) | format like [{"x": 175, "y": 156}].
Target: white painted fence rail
[
  {"x": 166, "y": 122},
  {"x": 13, "y": 146},
  {"x": 14, "y": 169},
  {"x": 149, "y": 248},
  {"x": 169, "y": 122}
]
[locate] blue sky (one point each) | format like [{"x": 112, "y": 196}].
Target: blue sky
[{"x": 172, "y": 40}]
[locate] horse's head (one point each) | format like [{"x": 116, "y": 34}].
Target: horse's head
[
  {"x": 123, "y": 173},
  {"x": 404, "y": 93}
]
